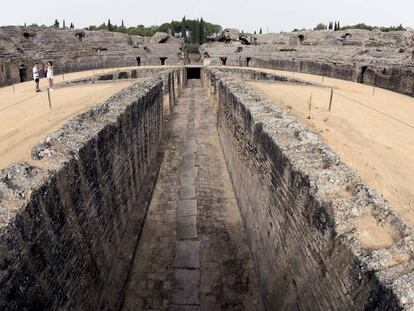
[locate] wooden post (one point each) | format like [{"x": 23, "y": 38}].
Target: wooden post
[
  {"x": 63, "y": 76},
  {"x": 373, "y": 91},
  {"x": 330, "y": 100},
  {"x": 14, "y": 91},
  {"x": 48, "y": 96},
  {"x": 310, "y": 106},
  {"x": 323, "y": 79}
]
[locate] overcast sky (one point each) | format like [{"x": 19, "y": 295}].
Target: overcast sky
[{"x": 271, "y": 15}]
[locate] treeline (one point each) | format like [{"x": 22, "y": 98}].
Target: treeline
[
  {"x": 368, "y": 27},
  {"x": 336, "y": 26},
  {"x": 56, "y": 24},
  {"x": 195, "y": 31}
]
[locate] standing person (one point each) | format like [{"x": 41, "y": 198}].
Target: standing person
[
  {"x": 45, "y": 70},
  {"x": 50, "y": 74},
  {"x": 36, "y": 76}
]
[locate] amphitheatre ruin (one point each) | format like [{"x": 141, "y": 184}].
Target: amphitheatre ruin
[{"x": 266, "y": 172}]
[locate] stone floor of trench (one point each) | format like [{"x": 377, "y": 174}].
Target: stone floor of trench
[{"x": 193, "y": 252}]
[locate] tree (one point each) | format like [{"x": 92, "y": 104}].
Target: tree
[
  {"x": 320, "y": 26},
  {"x": 64, "y": 24},
  {"x": 338, "y": 26},
  {"x": 260, "y": 31},
  {"x": 110, "y": 27},
  {"x": 24, "y": 24},
  {"x": 122, "y": 23},
  {"x": 164, "y": 27},
  {"x": 198, "y": 32},
  {"x": 255, "y": 32},
  {"x": 56, "y": 24},
  {"x": 193, "y": 31},
  {"x": 184, "y": 28},
  {"x": 72, "y": 25},
  {"x": 330, "y": 27},
  {"x": 202, "y": 31}
]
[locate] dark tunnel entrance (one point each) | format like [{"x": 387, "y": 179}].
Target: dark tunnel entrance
[
  {"x": 193, "y": 73},
  {"x": 22, "y": 72},
  {"x": 139, "y": 61},
  {"x": 361, "y": 74}
]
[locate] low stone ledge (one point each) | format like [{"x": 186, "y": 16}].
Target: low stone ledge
[{"x": 255, "y": 74}]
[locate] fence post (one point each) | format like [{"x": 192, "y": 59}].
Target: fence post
[
  {"x": 48, "y": 96},
  {"x": 330, "y": 101},
  {"x": 14, "y": 91},
  {"x": 373, "y": 91},
  {"x": 310, "y": 106}
]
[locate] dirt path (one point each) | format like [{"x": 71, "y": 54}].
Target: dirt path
[
  {"x": 374, "y": 134},
  {"x": 25, "y": 118},
  {"x": 193, "y": 253}
]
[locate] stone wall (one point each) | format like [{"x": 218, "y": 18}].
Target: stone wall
[
  {"x": 139, "y": 73},
  {"x": 61, "y": 222},
  {"x": 259, "y": 75},
  {"x": 311, "y": 222},
  {"x": 398, "y": 79},
  {"x": 383, "y": 59},
  {"x": 334, "y": 70}
]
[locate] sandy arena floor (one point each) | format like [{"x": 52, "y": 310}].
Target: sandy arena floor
[
  {"x": 25, "y": 117},
  {"x": 376, "y": 138}
]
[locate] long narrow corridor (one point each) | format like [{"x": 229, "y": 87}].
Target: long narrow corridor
[{"x": 193, "y": 253}]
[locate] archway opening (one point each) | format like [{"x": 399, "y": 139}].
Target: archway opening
[
  {"x": 248, "y": 59},
  {"x": 80, "y": 36},
  {"x": 22, "y": 72},
  {"x": 139, "y": 61},
  {"x": 301, "y": 38},
  {"x": 361, "y": 74},
  {"x": 163, "y": 59},
  {"x": 223, "y": 61}
]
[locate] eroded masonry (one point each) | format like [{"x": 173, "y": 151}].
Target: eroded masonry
[{"x": 188, "y": 191}]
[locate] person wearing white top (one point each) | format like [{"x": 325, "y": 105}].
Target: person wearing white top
[
  {"x": 49, "y": 74},
  {"x": 36, "y": 77}
]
